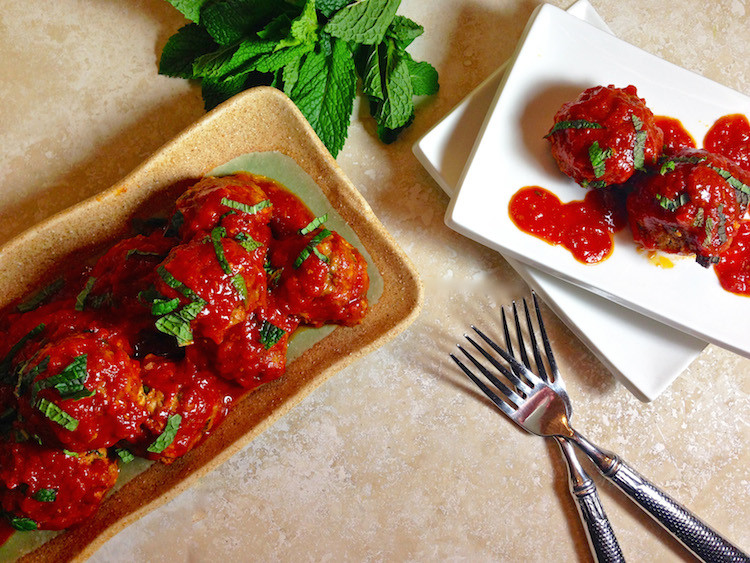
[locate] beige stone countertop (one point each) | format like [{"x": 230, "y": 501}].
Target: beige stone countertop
[{"x": 394, "y": 458}]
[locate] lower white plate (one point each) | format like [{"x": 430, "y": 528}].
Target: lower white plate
[{"x": 611, "y": 331}]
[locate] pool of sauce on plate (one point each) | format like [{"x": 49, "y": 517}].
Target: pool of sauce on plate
[{"x": 586, "y": 227}]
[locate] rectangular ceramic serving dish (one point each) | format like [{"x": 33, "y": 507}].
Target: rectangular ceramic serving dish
[
  {"x": 558, "y": 57},
  {"x": 259, "y": 120}
]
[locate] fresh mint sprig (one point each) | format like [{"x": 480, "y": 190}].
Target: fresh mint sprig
[{"x": 312, "y": 50}]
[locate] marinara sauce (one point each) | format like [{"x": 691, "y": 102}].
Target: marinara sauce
[
  {"x": 586, "y": 227},
  {"x": 145, "y": 351}
]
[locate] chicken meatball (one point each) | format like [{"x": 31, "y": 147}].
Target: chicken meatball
[
  {"x": 322, "y": 278},
  {"x": 605, "y": 135},
  {"x": 185, "y": 402},
  {"x": 692, "y": 205},
  {"x": 254, "y": 352},
  {"x": 49, "y": 489},
  {"x": 81, "y": 392},
  {"x": 207, "y": 287},
  {"x": 236, "y": 202}
]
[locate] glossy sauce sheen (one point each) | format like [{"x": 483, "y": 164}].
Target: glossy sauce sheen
[
  {"x": 88, "y": 372},
  {"x": 585, "y": 227}
]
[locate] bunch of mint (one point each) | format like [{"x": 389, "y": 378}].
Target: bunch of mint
[{"x": 311, "y": 50}]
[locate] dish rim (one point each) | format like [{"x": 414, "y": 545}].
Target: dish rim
[{"x": 261, "y": 119}]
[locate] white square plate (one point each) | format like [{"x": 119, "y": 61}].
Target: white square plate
[{"x": 559, "y": 57}]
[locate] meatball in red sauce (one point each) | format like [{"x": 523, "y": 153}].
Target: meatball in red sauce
[
  {"x": 185, "y": 402},
  {"x": 236, "y": 202},
  {"x": 216, "y": 282},
  {"x": 605, "y": 135},
  {"x": 323, "y": 278},
  {"x": 48, "y": 489},
  {"x": 145, "y": 351},
  {"x": 689, "y": 206},
  {"x": 82, "y": 393}
]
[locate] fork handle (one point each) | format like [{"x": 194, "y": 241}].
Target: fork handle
[
  {"x": 685, "y": 526},
  {"x": 601, "y": 537}
]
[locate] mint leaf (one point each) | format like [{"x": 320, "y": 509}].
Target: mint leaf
[
  {"x": 70, "y": 382},
  {"x": 56, "y": 414},
  {"x": 277, "y": 28},
  {"x": 424, "y": 77},
  {"x": 191, "y": 9},
  {"x": 573, "y": 124},
  {"x": 304, "y": 28},
  {"x": 404, "y": 31},
  {"x": 83, "y": 295},
  {"x": 314, "y": 224},
  {"x": 231, "y": 20},
  {"x": 167, "y": 436},
  {"x": 363, "y": 22},
  {"x": 244, "y": 207},
  {"x": 639, "y": 146},
  {"x": 40, "y": 296},
  {"x": 325, "y": 91},
  {"x": 215, "y": 63},
  {"x": 397, "y": 106},
  {"x": 598, "y": 158},
  {"x": 276, "y": 60},
  {"x": 181, "y": 50},
  {"x": 289, "y": 76},
  {"x": 329, "y": 7},
  {"x": 672, "y": 204},
  {"x": 45, "y": 495},
  {"x": 125, "y": 455},
  {"x": 370, "y": 71},
  {"x": 216, "y": 91},
  {"x": 23, "y": 524},
  {"x": 270, "y": 334}
]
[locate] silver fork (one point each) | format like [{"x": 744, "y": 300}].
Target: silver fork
[
  {"x": 542, "y": 408},
  {"x": 601, "y": 538}
]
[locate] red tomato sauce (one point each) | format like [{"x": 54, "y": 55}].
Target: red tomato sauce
[
  {"x": 144, "y": 351},
  {"x": 730, "y": 137},
  {"x": 675, "y": 134},
  {"x": 733, "y": 268},
  {"x": 585, "y": 228}
]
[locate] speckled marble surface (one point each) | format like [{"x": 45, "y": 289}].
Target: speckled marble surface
[{"x": 395, "y": 458}]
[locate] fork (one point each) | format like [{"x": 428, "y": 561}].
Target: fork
[
  {"x": 601, "y": 538},
  {"x": 541, "y": 408}
]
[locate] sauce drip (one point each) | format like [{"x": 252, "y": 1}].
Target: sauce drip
[
  {"x": 675, "y": 135},
  {"x": 729, "y": 136},
  {"x": 585, "y": 227},
  {"x": 733, "y": 268}
]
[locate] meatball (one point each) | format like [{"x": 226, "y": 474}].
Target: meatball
[
  {"x": 48, "y": 489},
  {"x": 55, "y": 320},
  {"x": 126, "y": 269},
  {"x": 691, "y": 206},
  {"x": 604, "y": 136},
  {"x": 208, "y": 286},
  {"x": 185, "y": 402},
  {"x": 81, "y": 392},
  {"x": 290, "y": 214},
  {"x": 254, "y": 352},
  {"x": 235, "y": 202},
  {"x": 322, "y": 278}
]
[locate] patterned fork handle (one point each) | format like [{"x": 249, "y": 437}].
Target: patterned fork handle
[
  {"x": 692, "y": 532},
  {"x": 601, "y": 537}
]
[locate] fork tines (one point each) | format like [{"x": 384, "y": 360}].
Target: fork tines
[{"x": 514, "y": 379}]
